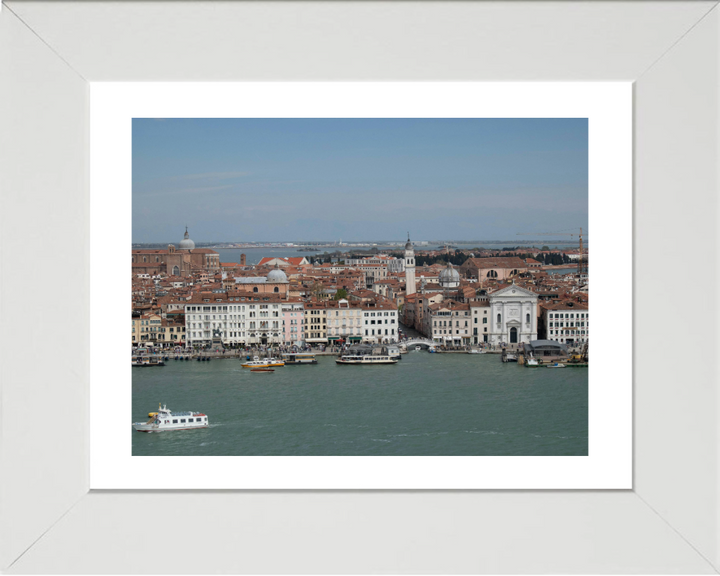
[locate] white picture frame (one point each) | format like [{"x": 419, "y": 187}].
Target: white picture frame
[{"x": 50, "y": 52}]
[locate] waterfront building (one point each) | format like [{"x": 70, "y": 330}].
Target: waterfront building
[
  {"x": 293, "y": 322},
  {"x": 153, "y": 329},
  {"x": 234, "y": 318},
  {"x": 448, "y": 322},
  {"x": 480, "y": 315},
  {"x": 344, "y": 321},
  {"x": 566, "y": 322},
  {"x": 513, "y": 315},
  {"x": 315, "y": 316},
  {"x": 409, "y": 267},
  {"x": 380, "y": 321}
]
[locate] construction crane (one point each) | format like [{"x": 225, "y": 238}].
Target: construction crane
[{"x": 582, "y": 265}]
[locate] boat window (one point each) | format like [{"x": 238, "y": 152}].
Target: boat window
[
  {"x": 190, "y": 419},
  {"x": 182, "y": 421},
  {"x": 174, "y": 421}
]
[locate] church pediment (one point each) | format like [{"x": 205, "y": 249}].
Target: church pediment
[{"x": 513, "y": 291}]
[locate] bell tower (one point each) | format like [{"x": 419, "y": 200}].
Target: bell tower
[{"x": 409, "y": 267}]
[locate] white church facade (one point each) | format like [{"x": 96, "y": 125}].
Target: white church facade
[{"x": 513, "y": 315}]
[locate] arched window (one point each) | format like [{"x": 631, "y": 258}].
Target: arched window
[
  {"x": 499, "y": 318},
  {"x": 276, "y": 289},
  {"x": 255, "y": 289},
  {"x": 492, "y": 274},
  {"x": 527, "y": 318},
  {"x": 144, "y": 258},
  {"x": 176, "y": 271}
]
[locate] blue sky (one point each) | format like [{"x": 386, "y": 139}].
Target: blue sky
[{"x": 357, "y": 179}]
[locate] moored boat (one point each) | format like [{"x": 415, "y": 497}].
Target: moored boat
[
  {"x": 147, "y": 361},
  {"x": 556, "y": 365},
  {"x": 258, "y": 370},
  {"x": 164, "y": 420},
  {"x": 291, "y": 358}
]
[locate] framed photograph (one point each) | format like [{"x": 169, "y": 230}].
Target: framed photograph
[
  {"x": 636, "y": 104},
  {"x": 494, "y": 311}
]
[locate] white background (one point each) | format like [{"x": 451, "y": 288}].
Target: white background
[{"x": 608, "y": 108}]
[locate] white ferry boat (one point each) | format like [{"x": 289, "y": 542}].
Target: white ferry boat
[
  {"x": 163, "y": 420},
  {"x": 366, "y": 359}
]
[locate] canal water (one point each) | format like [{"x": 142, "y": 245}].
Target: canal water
[{"x": 426, "y": 405}]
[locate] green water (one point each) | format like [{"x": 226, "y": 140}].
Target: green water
[{"x": 426, "y": 405}]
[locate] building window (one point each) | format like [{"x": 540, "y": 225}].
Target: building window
[
  {"x": 527, "y": 318},
  {"x": 499, "y": 318}
]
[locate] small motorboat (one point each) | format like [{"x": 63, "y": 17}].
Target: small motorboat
[
  {"x": 556, "y": 365},
  {"x": 532, "y": 362},
  {"x": 258, "y": 370},
  {"x": 417, "y": 348},
  {"x": 256, "y": 363}
]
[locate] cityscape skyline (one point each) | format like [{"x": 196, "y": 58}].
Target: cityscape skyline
[{"x": 322, "y": 180}]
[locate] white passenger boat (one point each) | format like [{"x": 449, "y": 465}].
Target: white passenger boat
[
  {"x": 556, "y": 365},
  {"x": 369, "y": 359},
  {"x": 164, "y": 420}
]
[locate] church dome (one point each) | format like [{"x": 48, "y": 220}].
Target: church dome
[
  {"x": 186, "y": 243},
  {"x": 276, "y": 275},
  {"x": 408, "y": 245},
  {"x": 449, "y": 276}
]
